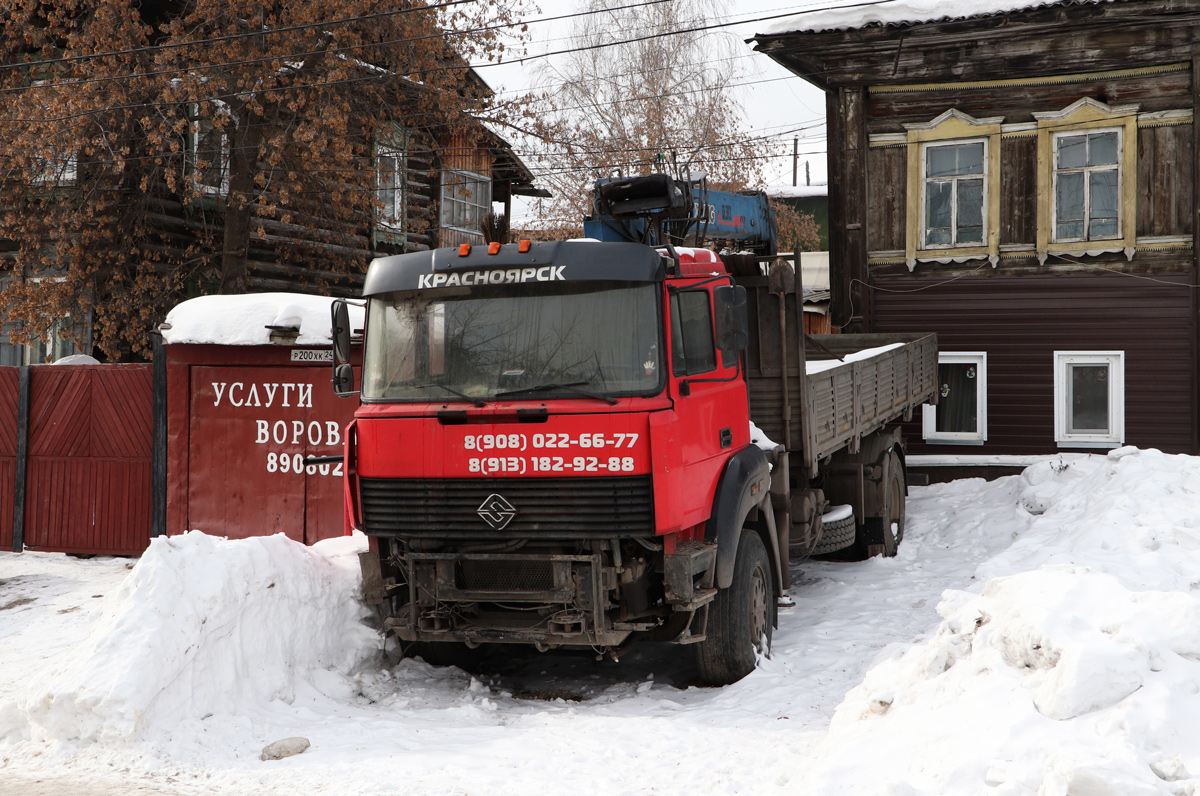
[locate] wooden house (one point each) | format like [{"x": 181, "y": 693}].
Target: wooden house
[
  {"x": 435, "y": 184},
  {"x": 1024, "y": 184}
]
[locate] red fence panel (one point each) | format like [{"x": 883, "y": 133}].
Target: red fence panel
[
  {"x": 88, "y": 488},
  {"x": 8, "y": 452}
]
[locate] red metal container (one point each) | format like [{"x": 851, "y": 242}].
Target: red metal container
[{"x": 240, "y": 420}]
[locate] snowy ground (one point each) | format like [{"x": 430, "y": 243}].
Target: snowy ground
[{"x": 1036, "y": 635}]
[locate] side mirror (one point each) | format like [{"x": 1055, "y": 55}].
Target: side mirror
[
  {"x": 340, "y": 332},
  {"x": 343, "y": 371},
  {"x": 731, "y": 317},
  {"x": 343, "y": 380}
]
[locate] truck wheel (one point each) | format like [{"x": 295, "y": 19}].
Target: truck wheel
[
  {"x": 740, "y": 618},
  {"x": 880, "y": 535},
  {"x": 884, "y": 533},
  {"x": 897, "y": 500},
  {"x": 445, "y": 653}
]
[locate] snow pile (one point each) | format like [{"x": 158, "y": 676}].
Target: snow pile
[
  {"x": 202, "y": 626},
  {"x": 243, "y": 320},
  {"x": 1075, "y": 669},
  {"x": 852, "y": 14}
]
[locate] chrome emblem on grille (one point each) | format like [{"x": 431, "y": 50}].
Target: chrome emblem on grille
[{"x": 496, "y": 512}]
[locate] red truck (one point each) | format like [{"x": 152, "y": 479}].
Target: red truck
[{"x": 553, "y": 447}]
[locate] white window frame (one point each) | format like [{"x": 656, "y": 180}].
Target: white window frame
[
  {"x": 929, "y": 413},
  {"x": 50, "y": 342},
  {"x": 1115, "y": 360},
  {"x": 58, "y": 171},
  {"x": 1087, "y": 184},
  {"x": 983, "y": 207},
  {"x": 195, "y": 132},
  {"x": 485, "y": 205},
  {"x": 393, "y": 221}
]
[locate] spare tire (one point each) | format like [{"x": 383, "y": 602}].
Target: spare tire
[{"x": 837, "y": 533}]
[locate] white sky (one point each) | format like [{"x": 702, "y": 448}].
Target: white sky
[{"x": 778, "y": 106}]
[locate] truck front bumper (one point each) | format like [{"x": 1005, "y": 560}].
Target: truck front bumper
[{"x": 544, "y": 600}]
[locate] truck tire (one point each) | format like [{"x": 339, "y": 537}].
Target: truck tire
[
  {"x": 740, "y": 618},
  {"x": 835, "y": 536},
  {"x": 898, "y": 508},
  {"x": 882, "y": 535}
]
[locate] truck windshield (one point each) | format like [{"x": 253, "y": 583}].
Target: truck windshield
[{"x": 551, "y": 340}]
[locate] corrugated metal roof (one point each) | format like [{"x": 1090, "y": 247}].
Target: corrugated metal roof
[{"x": 854, "y": 15}]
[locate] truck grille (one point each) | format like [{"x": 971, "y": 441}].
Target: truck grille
[
  {"x": 532, "y": 575},
  {"x": 554, "y": 508}
]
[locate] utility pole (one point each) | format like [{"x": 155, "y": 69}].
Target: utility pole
[
  {"x": 807, "y": 175},
  {"x": 796, "y": 160}
]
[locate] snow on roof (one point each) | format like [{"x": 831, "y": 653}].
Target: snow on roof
[
  {"x": 243, "y": 320},
  {"x": 796, "y": 191},
  {"x": 853, "y": 14}
]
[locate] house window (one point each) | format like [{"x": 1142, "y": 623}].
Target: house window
[
  {"x": 1087, "y": 188},
  {"x": 466, "y": 199},
  {"x": 57, "y": 170},
  {"x": 1089, "y": 398},
  {"x": 1087, "y": 185},
  {"x": 52, "y": 346},
  {"x": 952, "y": 189},
  {"x": 391, "y": 164},
  {"x": 209, "y": 155},
  {"x": 960, "y": 416},
  {"x": 954, "y": 194},
  {"x": 692, "y": 348}
]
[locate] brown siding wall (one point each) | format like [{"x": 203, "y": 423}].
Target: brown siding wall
[
  {"x": 1021, "y": 321},
  {"x": 1164, "y": 189},
  {"x": 1018, "y": 190},
  {"x": 887, "y": 195},
  {"x": 465, "y": 153}
]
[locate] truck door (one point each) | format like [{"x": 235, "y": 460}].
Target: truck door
[{"x": 710, "y": 400}]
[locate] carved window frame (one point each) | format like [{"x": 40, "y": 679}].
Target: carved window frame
[
  {"x": 1087, "y": 115},
  {"x": 952, "y": 126}
]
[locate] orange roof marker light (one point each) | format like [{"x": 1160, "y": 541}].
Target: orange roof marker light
[
  {"x": 523, "y": 246},
  {"x": 493, "y": 248},
  {"x": 464, "y": 249}
]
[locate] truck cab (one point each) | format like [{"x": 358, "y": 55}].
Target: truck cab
[{"x": 553, "y": 448}]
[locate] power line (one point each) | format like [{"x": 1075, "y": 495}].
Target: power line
[
  {"x": 234, "y": 36},
  {"x": 298, "y": 55},
  {"x": 700, "y": 29},
  {"x": 462, "y": 67}
]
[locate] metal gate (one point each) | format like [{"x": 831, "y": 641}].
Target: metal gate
[{"x": 81, "y": 447}]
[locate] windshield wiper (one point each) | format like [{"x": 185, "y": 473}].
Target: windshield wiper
[
  {"x": 463, "y": 395},
  {"x": 570, "y": 386}
]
